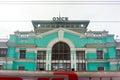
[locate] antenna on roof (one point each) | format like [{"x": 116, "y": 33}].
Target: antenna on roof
[{"x": 59, "y": 14}]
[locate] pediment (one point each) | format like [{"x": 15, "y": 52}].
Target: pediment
[{"x": 60, "y": 33}]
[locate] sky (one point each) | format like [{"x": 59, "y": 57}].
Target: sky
[{"x": 16, "y": 15}]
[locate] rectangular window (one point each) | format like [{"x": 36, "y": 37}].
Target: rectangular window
[
  {"x": 99, "y": 54},
  {"x": 1, "y": 67},
  {"x": 61, "y": 66},
  {"x": 41, "y": 55},
  {"x": 81, "y": 67},
  {"x": 100, "y": 68},
  {"x": 118, "y": 54},
  {"x": 80, "y": 55},
  {"x": 3, "y": 52},
  {"x": 41, "y": 66},
  {"x": 21, "y": 68},
  {"x": 22, "y": 54}
]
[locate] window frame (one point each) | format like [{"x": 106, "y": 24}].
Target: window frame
[
  {"x": 80, "y": 53},
  {"x": 100, "y": 54},
  {"x": 81, "y": 66},
  {"x": 118, "y": 53},
  {"x": 22, "y": 54},
  {"x": 3, "y": 52},
  {"x": 41, "y": 53},
  {"x": 21, "y": 67},
  {"x": 101, "y": 68}
]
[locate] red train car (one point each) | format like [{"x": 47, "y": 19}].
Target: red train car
[
  {"x": 61, "y": 75},
  {"x": 10, "y": 78}
]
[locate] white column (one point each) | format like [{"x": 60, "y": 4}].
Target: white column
[
  {"x": 73, "y": 59},
  {"x": 48, "y": 60}
]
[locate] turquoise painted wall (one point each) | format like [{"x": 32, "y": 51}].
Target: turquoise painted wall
[
  {"x": 91, "y": 55},
  {"x": 93, "y": 66},
  {"x": 30, "y": 55},
  {"x": 113, "y": 67},
  {"x": 106, "y": 56},
  {"x": 16, "y": 55},
  {"x": 7, "y": 66},
  {"x": 25, "y": 41},
  {"x": 111, "y": 52},
  {"x": 44, "y": 41},
  {"x": 94, "y": 56},
  {"x": 11, "y": 52},
  {"x": 81, "y": 42},
  {"x": 110, "y": 38},
  {"x": 12, "y": 38},
  {"x": 27, "y": 65},
  {"x": 76, "y": 40},
  {"x": 96, "y": 40}
]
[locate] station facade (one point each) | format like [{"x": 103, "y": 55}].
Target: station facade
[{"x": 62, "y": 45}]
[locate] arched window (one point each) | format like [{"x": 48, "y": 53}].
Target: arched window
[
  {"x": 60, "y": 51},
  {"x": 61, "y": 57}
]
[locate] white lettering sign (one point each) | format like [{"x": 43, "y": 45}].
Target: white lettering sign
[{"x": 60, "y": 18}]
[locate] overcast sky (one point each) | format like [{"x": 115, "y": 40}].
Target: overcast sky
[{"x": 17, "y": 14}]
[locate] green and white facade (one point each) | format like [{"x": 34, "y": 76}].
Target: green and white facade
[{"x": 62, "y": 44}]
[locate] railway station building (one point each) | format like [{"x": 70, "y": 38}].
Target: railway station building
[{"x": 61, "y": 44}]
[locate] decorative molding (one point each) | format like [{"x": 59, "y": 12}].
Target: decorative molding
[
  {"x": 41, "y": 49},
  {"x": 110, "y": 44},
  {"x": 60, "y": 34},
  {"x": 97, "y": 60},
  {"x": 95, "y": 45},
  {"x": 71, "y": 45},
  {"x": 25, "y": 60},
  {"x": 60, "y": 30},
  {"x": 80, "y": 49},
  {"x": 26, "y": 45}
]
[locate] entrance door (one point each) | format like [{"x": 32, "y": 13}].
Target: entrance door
[{"x": 61, "y": 57}]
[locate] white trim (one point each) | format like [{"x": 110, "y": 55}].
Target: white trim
[
  {"x": 61, "y": 30},
  {"x": 71, "y": 45},
  {"x": 117, "y": 47},
  {"x": 114, "y": 62},
  {"x": 1, "y": 62},
  {"x": 60, "y": 34},
  {"x": 80, "y": 49},
  {"x": 41, "y": 49},
  {"x": 30, "y": 50},
  {"x": 25, "y": 60},
  {"x": 80, "y": 61},
  {"x": 91, "y": 50}
]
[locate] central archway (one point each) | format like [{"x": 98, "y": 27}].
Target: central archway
[{"x": 61, "y": 56}]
